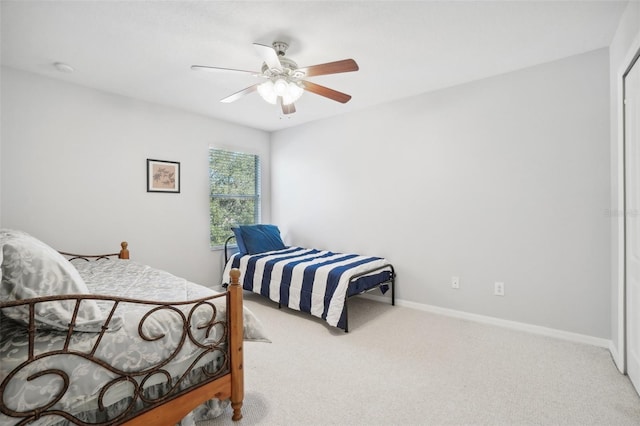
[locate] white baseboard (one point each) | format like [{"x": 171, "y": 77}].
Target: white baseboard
[
  {"x": 617, "y": 360},
  {"x": 514, "y": 325}
]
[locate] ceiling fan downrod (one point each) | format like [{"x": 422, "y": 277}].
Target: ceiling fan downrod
[{"x": 280, "y": 47}]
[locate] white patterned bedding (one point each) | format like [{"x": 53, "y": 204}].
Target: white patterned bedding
[{"x": 121, "y": 346}]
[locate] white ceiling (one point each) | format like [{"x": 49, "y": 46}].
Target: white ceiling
[{"x": 144, "y": 49}]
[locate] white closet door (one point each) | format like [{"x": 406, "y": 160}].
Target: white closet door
[{"x": 632, "y": 221}]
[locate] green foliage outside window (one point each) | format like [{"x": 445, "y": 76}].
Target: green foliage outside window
[{"x": 234, "y": 179}]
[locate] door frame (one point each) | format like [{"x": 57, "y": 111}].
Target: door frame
[{"x": 619, "y": 212}]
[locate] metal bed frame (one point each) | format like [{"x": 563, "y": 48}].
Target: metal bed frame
[
  {"x": 169, "y": 408},
  {"x": 391, "y": 281}
]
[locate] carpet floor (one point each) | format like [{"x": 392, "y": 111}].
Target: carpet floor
[{"x": 401, "y": 366}]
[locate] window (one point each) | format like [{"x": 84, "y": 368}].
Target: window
[{"x": 234, "y": 179}]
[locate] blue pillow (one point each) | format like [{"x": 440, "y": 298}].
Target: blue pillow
[
  {"x": 242, "y": 249},
  {"x": 261, "y": 238}
]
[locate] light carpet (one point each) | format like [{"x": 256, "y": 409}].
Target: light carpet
[{"x": 400, "y": 366}]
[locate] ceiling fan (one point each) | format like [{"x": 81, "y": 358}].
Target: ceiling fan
[{"x": 284, "y": 82}]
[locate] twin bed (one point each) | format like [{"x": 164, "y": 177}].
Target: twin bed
[
  {"x": 319, "y": 282},
  {"x": 165, "y": 350}
]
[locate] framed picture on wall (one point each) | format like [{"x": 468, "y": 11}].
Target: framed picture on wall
[{"x": 163, "y": 176}]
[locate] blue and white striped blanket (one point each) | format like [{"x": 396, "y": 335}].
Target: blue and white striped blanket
[{"x": 307, "y": 280}]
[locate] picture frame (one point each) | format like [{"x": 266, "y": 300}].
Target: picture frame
[{"x": 163, "y": 176}]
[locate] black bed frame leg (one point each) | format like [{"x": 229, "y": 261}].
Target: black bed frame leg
[
  {"x": 346, "y": 316},
  {"x": 393, "y": 286}
]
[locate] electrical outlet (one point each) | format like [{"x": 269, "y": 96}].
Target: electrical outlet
[
  {"x": 498, "y": 289},
  {"x": 455, "y": 282}
]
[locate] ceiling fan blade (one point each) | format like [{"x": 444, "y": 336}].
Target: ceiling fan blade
[
  {"x": 326, "y": 92},
  {"x": 240, "y": 94},
  {"x": 286, "y": 109},
  {"x": 345, "y": 65},
  {"x": 218, "y": 69},
  {"x": 269, "y": 56}
]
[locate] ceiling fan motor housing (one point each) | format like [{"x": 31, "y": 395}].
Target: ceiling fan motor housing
[{"x": 289, "y": 69}]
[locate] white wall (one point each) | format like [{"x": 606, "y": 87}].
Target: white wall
[
  {"x": 625, "y": 44},
  {"x": 503, "y": 179},
  {"x": 74, "y": 173}
]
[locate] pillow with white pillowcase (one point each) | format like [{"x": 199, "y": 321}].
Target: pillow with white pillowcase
[{"x": 31, "y": 269}]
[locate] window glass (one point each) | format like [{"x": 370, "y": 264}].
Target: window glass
[{"x": 234, "y": 179}]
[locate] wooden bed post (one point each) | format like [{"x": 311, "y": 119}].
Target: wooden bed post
[
  {"x": 234, "y": 309},
  {"x": 230, "y": 384},
  {"x": 124, "y": 253}
]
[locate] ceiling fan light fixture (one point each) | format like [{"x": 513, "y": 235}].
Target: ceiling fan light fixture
[
  {"x": 294, "y": 91},
  {"x": 267, "y": 92},
  {"x": 289, "y": 91},
  {"x": 281, "y": 87}
]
